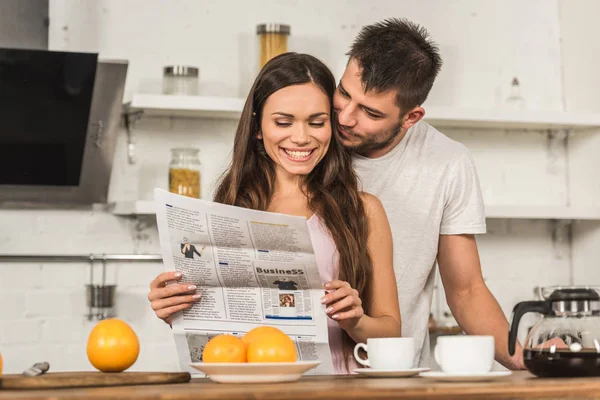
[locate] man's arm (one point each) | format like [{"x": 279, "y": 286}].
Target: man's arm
[{"x": 472, "y": 304}]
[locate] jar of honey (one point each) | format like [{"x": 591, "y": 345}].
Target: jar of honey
[{"x": 184, "y": 172}]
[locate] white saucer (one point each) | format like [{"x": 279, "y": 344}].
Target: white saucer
[
  {"x": 486, "y": 376},
  {"x": 255, "y": 372},
  {"x": 389, "y": 373}
]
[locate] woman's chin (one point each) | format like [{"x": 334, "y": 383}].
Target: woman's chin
[{"x": 299, "y": 170}]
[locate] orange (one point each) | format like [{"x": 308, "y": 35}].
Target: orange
[
  {"x": 0, "y": 364},
  {"x": 224, "y": 349},
  {"x": 260, "y": 333},
  {"x": 274, "y": 347},
  {"x": 112, "y": 346}
]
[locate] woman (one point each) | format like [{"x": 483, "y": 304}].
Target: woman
[
  {"x": 188, "y": 249},
  {"x": 286, "y": 160}
]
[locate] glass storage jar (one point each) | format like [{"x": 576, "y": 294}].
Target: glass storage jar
[
  {"x": 184, "y": 172},
  {"x": 180, "y": 80},
  {"x": 273, "y": 40}
]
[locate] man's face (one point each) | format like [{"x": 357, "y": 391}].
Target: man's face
[{"x": 368, "y": 123}]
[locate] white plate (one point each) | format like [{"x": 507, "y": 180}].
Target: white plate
[
  {"x": 443, "y": 376},
  {"x": 390, "y": 373},
  {"x": 255, "y": 372}
]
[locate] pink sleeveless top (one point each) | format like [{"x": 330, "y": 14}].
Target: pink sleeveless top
[{"x": 327, "y": 261}]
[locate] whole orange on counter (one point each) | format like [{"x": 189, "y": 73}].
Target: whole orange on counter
[
  {"x": 224, "y": 349},
  {"x": 0, "y": 364},
  {"x": 269, "y": 344},
  {"x": 112, "y": 346},
  {"x": 272, "y": 348},
  {"x": 260, "y": 333},
  {"x": 263, "y": 344}
]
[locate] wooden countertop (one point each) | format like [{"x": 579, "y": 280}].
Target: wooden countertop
[{"x": 520, "y": 385}]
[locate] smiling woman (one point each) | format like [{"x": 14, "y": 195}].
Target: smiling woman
[
  {"x": 295, "y": 132},
  {"x": 287, "y": 160}
]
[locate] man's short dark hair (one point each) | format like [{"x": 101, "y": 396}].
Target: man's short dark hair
[{"x": 397, "y": 54}]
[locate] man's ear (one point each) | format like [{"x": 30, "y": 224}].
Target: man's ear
[{"x": 412, "y": 117}]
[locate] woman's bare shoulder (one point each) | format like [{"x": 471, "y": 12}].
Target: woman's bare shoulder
[{"x": 372, "y": 204}]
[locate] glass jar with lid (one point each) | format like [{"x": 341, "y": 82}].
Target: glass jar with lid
[
  {"x": 184, "y": 172},
  {"x": 273, "y": 40},
  {"x": 180, "y": 80}
]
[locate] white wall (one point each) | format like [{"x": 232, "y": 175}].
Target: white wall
[
  {"x": 484, "y": 44},
  {"x": 23, "y": 24},
  {"x": 581, "y": 48}
]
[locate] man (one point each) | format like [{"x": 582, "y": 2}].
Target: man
[
  {"x": 284, "y": 283},
  {"x": 427, "y": 182}
]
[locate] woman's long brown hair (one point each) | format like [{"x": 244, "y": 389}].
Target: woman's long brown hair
[{"x": 331, "y": 187}]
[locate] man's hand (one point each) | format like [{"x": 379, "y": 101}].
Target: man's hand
[{"x": 554, "y": 342}]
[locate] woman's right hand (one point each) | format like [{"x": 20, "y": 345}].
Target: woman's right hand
[{"x": 166, "y": 300}]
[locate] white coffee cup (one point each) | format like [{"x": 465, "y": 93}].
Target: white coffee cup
[
  {"x": 387, "y": 353},
  {"x": 465, "y": 354}
]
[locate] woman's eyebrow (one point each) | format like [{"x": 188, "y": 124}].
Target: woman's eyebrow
[
  {"x": 315, "y": 115},
  {"x": 283, "y": 114}
]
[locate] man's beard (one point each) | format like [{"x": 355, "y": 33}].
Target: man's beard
[{"x": 375, "y": 142}]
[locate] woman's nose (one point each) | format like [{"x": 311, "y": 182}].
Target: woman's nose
[{"x": 300, "y": 136}]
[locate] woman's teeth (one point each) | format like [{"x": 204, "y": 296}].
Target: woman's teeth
[{"x": 298, "y": 154}]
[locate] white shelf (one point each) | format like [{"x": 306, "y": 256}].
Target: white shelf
[
  {"x": 542, "y": 212},
  {"x": 146, "y": 207},
  {"x": 508, "y": 119},
  {"x": 187, "y": 106},
  {"x": 231, "y": 108},
  {"x": 140, "y": 207}
]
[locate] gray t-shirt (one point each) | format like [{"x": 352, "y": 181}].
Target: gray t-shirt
[{"x": 428, "y": 185}]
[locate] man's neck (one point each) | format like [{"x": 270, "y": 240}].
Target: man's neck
[{"x": 377, "y": 153}]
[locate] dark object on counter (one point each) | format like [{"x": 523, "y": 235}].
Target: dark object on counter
[{"x": 565, "y": 342}]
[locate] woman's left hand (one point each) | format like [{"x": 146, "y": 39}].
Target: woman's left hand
[{"x": 343, "y": 304}]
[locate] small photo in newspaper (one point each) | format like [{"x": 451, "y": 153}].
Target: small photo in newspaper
[
  {"x": 286, "y": 292},
  {"x": 189, "y": 245}
]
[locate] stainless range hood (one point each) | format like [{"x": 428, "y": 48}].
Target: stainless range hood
[{"x": 59, "y": 119}]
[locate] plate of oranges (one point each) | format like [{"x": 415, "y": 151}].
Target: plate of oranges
[{"x": 263, "y": 355}]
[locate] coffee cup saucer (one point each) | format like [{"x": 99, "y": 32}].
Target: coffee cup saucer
[
  {"x": 389, "y": 373},
  {"x": 464, "y": 377}
]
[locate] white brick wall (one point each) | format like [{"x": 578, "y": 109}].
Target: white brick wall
[
  {"x": 13, "y": 305},
  {"x": 25, "y": 331},
  {"x": 46, "y": 320}
]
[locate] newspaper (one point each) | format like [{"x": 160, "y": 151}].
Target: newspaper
[{"x": 252, "y": 268}]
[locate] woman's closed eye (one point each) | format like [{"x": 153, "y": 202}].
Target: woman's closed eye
[{"x": 288, "y": 124}]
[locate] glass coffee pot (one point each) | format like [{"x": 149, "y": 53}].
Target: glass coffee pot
[{"x": 565, "y": 342}]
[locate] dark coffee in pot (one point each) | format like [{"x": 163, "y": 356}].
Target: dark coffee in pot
[{"x": 562, "y": 363}]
